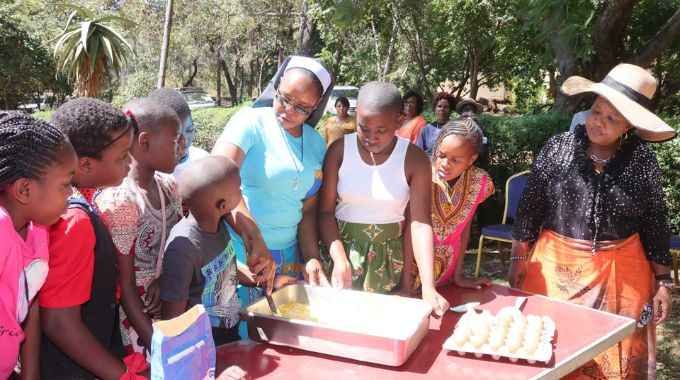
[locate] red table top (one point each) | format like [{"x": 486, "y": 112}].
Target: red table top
[{"x": 581, "y": 334}]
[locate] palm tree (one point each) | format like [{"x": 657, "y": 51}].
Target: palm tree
[{"x": 89, "y": 51}]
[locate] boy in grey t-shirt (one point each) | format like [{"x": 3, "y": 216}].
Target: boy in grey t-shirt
[{"x": 199, "y": 264}]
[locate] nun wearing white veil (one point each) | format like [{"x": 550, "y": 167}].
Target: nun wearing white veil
[{"x": 280, "y": 155}]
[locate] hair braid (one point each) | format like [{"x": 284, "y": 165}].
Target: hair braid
[
  {"x": 466, "y": 127},
  {"x": 27, "y": 147}
]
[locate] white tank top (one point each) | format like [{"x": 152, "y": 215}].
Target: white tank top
[{"x": 372, "y": 194}]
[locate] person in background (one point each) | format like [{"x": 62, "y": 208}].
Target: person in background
[
  {"x": 443, "y": 104},
  {"x": 412, "y": 122},
  {"x": 187, "y": 152},
  {"x": 341, "y": 124},
  {"x": 37, "y": 163},
  {"x": 78, "y": 303},
  {"x": 469, "y": 105},
  {"x": 578, "y": 119},
  {"x": 140, "y": 213},
  {"x": 370, "y": 177},
  {"x": 458, "y": 188},
  {"x": 595, "y": 206}
]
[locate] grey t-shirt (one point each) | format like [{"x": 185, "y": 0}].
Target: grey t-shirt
[{"x": 200, "y": 267}]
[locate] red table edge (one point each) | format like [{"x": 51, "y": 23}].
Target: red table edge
[
  {"x": 574, "y": 361},
  {"x": 582, "y": 356}
]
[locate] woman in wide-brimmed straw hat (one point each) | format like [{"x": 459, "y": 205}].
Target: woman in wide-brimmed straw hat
[{"x": 595, "y": 207}]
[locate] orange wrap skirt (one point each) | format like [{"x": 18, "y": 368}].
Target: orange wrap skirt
[{"x": 617, "y": 279}]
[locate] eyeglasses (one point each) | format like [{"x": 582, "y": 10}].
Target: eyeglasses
[{"x": 285, "y": 103}]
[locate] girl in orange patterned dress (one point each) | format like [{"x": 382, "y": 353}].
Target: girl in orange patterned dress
[{"x": 457, "y": 189}]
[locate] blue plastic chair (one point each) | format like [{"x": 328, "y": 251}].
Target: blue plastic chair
[
  {"x": 675, "y": 252},
  {"x": 502, "y": 233}
]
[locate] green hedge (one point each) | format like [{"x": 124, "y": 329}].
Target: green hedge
[
  {"x": 668, "y": 154},
  {"x": 513, "y": 142},
  {"x": 210, "y": 123},
  {"x": 45, "y": 115}
]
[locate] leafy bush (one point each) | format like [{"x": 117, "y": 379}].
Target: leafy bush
[
  {"x": 44, "y": 115},
  {"x": 210, "y": 123},
  {"x": 513, "y": 142},
  {"x": 668, "y": 154}
]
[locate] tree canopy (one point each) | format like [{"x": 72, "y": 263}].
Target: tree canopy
[{"x": 234, "y": 46}]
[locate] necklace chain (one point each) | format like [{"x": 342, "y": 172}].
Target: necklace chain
[
  {"x": 296, "y": 181},
  {"x": 599, "y": 160}
]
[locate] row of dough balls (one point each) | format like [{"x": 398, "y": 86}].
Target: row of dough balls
[{"x": 509, "y": 331}]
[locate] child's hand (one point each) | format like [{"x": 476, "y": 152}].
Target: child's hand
[
  {"x": 342, "y": 275},
  {"x": 315, "y": 274},
  {"x": 282, "y": 280},
  {"x": 472, "y": 283},
  {"x": 439, "y": 304},
  {"x": 233, "y": 373},
  {"x": 152, "y": 299}
]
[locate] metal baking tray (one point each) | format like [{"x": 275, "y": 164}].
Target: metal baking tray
[{"x": 369, "y": 327}]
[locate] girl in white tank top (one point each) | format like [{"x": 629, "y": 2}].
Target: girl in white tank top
[
  {"x": 371, "y": 203},
  {"x": 368, "y": 182},
  {"x": 372, "y": 194}
]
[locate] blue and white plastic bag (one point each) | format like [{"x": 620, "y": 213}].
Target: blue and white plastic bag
[{"x": 183, "y": 348}]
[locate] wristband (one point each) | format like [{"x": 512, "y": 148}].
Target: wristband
[
  {"x": 665, "y": 284},
  {"x": 135, "y": 364},
  {"x": 665, "y": 276},
  {"x": 514, "y": 258}
]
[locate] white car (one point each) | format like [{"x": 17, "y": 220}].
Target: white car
[
  {"x": 197, "y": 98},
  {"x": 350, "y": 92}
]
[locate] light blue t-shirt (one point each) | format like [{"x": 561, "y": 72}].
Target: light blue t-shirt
[{"x": 269, "y": 171}]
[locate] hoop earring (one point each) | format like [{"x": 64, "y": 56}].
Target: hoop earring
[{"x": 623, "y": 138}]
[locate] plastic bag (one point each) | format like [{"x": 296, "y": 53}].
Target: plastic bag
[{"x": 183, "y": 347}]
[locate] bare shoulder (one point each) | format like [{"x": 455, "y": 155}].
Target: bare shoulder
[
  {"x": 335, "y": 150},
  {"x": 416, "y": 160}
]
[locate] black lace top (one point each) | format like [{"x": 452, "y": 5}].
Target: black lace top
[{"x": 567, "y": 196}]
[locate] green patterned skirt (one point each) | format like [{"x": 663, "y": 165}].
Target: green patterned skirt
[{"x": 375, "y": 252}]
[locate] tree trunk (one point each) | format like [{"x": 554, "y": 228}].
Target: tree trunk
[
  {"x": 190, "y": 82},
  {"x": 390, "y": 50},
  {"x": 376, "y": 45},
  {"x": 251, "y": 78},
  {"x": 474, "y": 59},
  {"x": 608, "y": 35},
  {"x": 660, "y": 42},
  {"x": 218, "y": 77},
  {"x": 307, "y": 33},
  {"x": 230, "y": 82},
  {"x": 567, "y": 66},
  {"x": 239, "y": 75},
  {"x": 166, "y": 44},
  {"x": 337, "y": 56}
]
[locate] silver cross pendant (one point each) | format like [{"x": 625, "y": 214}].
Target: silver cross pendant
[{"x": 296, "y": 183}]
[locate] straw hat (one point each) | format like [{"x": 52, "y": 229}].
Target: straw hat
[
  {"x": 629, "y": 89},
  {"x": 465, "y": 101}
]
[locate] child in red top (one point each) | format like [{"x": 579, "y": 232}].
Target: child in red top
[
  {"x": 78, "y": 303},
  {"x": 36, "y": 166},
  {"x": 140, "y": 214}
]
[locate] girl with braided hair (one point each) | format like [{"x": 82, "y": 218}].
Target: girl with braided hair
[
  {"x": 458, "y": 188},
  {"x": 37, "y": 163},
  {"x": 79, "y": 301}
]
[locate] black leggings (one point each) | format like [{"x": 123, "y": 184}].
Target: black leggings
[{"x": 223, "y": 336}]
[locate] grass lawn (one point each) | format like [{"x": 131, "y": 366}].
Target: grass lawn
[{"x": 668, "y": 334}]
